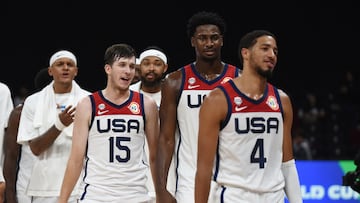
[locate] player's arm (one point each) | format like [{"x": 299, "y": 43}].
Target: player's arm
[
  {"x": 292, "y": 185},
  {"x": 168, "y": 113},
  {"x": 79, "y": 142},
  {"x": 12, "y": 149},
  {"x": 151, "y": 131},
  {"x": 212, "y": 111},
  {"x": 43, "y": 142}
]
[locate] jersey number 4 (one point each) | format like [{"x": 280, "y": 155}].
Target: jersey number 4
[{"x": 258, "y": 157}]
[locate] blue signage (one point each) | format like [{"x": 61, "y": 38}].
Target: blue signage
[{"x": 321, "y": 181}]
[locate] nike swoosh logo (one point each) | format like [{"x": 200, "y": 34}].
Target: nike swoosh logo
[
  {"x": 102, "y": 112},
  {"x": 193, "y": 86},
  {"x": 240, "y": 108}
]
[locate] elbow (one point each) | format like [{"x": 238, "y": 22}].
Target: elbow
[{"x": 35, "y": 150}]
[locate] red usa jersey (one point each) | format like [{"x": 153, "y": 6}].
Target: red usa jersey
[
  {"x": 102, "y": 107},
  {"x": 194, "y": 81},
  {"x": 249, "y": 152},
  {"x": 115, "y": 165}
]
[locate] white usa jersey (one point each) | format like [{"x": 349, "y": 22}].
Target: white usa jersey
[
  {"x": 194, "y": 88},
  {"x": 115, "y": 165},
  {"x": 249, "y": 154}
]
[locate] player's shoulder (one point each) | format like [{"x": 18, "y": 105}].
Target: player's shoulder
[
  {"x": 86, "y": 99},
  {"x": 4, "y": 88},
  {"x": 174, "y": 75},
  {"x": 282, "y": 93},
  {"x": 15, "y": 113},
  {"x": 172, "y": 80},
  {"x": 32, "y": 98},
  {"x": 3, "y": 85},
  {"x": 148, "y": 100},
  {"x": 85, "y": 92},
  {"x": 216, "y": 94}
]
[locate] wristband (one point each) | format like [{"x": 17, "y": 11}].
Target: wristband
[
  {"x": 58, "y": 124},
  {"x": 292, "y": 184}
]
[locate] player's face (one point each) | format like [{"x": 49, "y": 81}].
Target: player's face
[
  {"x": 137, "y": 74},
  {"x": 152, "y": 69},
  {"x": 122, "y": 72},
  {"x": 207, "y": 42},
  {"x": 63, "y": 70},
  {"x": 264, "y": 56}
]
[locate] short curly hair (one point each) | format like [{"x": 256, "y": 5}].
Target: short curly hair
[{"x": 205, "y": 18}]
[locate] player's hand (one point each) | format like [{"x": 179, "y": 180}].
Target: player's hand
[{"x": 67, "y": 115}]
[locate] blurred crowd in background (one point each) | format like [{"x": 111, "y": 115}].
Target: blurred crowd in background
[{"x": 327, "y": 121}]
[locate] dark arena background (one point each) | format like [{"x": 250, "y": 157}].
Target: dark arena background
[
  {"x": 318, "y": 63},
  {"x": 318, "y": 47}
]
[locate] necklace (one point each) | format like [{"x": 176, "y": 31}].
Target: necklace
[
  {"x": 255, "y": 97},
  {"x": 210, "y": 76}
]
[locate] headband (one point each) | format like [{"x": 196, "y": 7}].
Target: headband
[
  {"x": 153, "y": 52},
  {"x": 137, "y": 61},
  {"x": 62, "y": 54}
]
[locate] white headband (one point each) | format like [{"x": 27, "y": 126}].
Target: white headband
[
  {"x": 153, "y": 52},
  {"x": 62, "y": 54}
]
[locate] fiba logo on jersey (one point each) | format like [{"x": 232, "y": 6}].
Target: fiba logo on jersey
[
  {"x": 271, "y": 102},
  {"x": 134, "y": 107}
]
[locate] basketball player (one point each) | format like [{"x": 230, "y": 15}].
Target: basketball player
[
  {"x": 245, "y": 133},
  {"x": 110, "y": 128}
]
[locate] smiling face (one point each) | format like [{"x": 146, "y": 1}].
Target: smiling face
[
  {"x": 121, "y": 72},
  {"x": 262, "y": 56}
]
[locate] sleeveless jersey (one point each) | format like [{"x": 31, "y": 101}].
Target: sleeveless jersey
[
  {"x": 249, "y": 154},
  {"x": 115, "y": 165},
  {"x": 193, "y": 89}
]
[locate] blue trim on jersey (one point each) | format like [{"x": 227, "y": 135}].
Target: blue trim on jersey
[
  {"x": 93, "y": 110},
  {"x": 215, "y": 80},
  {"x": 115, "y": 105},
  {"x": 277, "y": 95},
  {"x": 266, "y": 92},
  {"x": 85, "y": 191},
  {"x": 217, "y": 161},
  {"x": 222, "y": 194},
  {"x": 177, "y": 148},
  {"x": 228, "y": 114},
  {"x": 237, "y": 71},
  {"x": 142, "y": 107},
  {"x": 183, "y": 76},
  {"x": 92, "y": 100},
  {"x": 177, "y": 163}
]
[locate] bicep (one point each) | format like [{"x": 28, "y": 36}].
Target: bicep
[
  {"x": 26, "y": 131},
  {"x": 152, "y": 121},
  {"x": 168, "y": 107},
  {"x": 288, "y": 120},
  {"x": 81, "y": 127},
  {"x": 212, "y": 112},
  {"x": 12, "y": 130}
]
